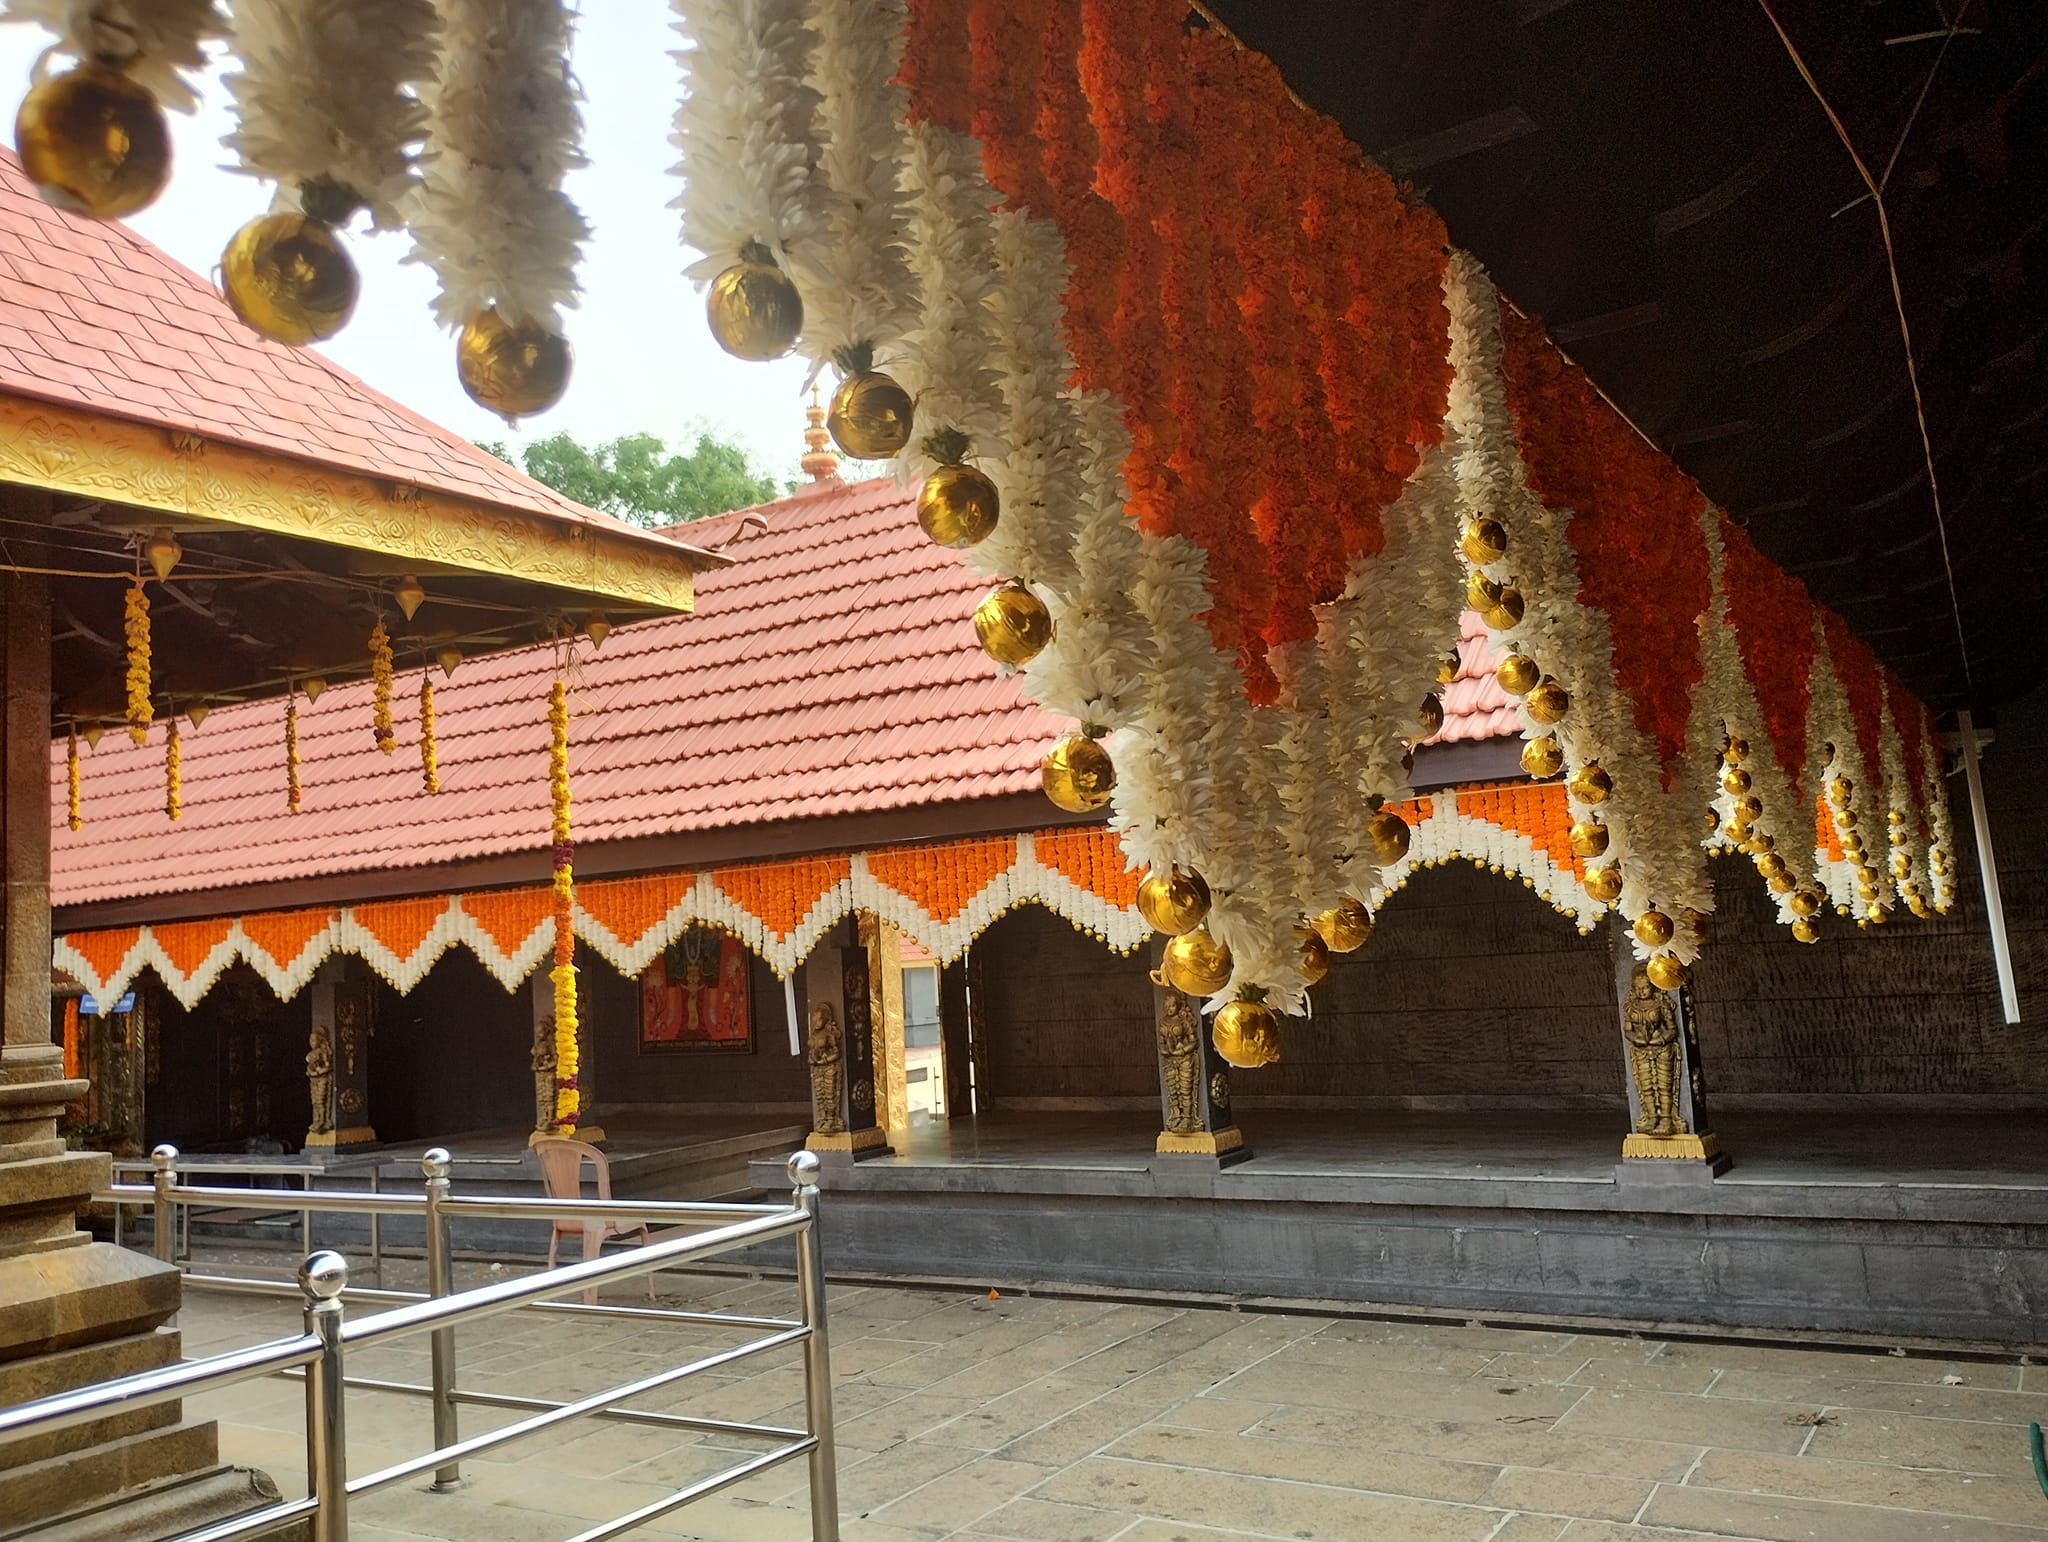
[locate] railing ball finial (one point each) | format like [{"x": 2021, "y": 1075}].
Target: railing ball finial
[
  {"x": 323, "y": 1276},
  {"x": 437, "y": 1163},
  {"x": 164, "y": 1157},
  {"x": 803, "y": 1170}
]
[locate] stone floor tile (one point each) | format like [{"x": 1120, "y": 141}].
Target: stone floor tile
[
  {"x": 1958, "y": 1445},
  {"x": 1837, "y": 1365},
  {"x": 903, "y": 1417},
  {"x": 1614, "y": 1531},
  {"x": 1040, "y": 1520},
  {"x": 1400, "y": 1393},
  {"x": 1534, "y": 1341},
  {"x": 1177, "y": 1531},
  {"x": 1526, "y": 1528},
  {"x": 1378, "y": 1471},
  {"x": 997, "y": 1421},
  {"x": 1699, "y": 1421},
  {"x": 1934, "y": 1401},
  {"x": 1516, "y": 1366},
  {"x": 1568, "y": 1493},
  {"x": 1781, "y": 1519},
  {"x": 1423, "y": 1359},
  {"x": 1640, "y": 1375},
  {"x": 1081, "y": 1433},
  {"x": 888, "y": 1475},
  {"x": 1224, "y": 1415},
  {"x": 2017, "y": 1499},
  {"x": 1496, "y": 1441},
  {"x": 964, "y": 1495},
  {"x": 1303, "y": 1510}
]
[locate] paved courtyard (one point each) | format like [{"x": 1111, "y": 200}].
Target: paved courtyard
[{"x": 1030, "y": 1419}]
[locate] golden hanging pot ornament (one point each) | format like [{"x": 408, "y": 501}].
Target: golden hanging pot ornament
[
  {"x": 1735, "y": 781},
  {"x": 1246, "y": 1034},
  {"x": 1481, "y": 593},
  {"x": 1710, "y": 821},
  {"x": 312, "y": 689},
  {"x": 1902, "y": 865},
  {"x": 870, "y": 416},
  {"x": 1665, "y": 972},
  {"x": 1447, "y": 668},
  {"x": 1589, "y": 839},
  {"x": 1735, "y": 750},
  {"x": 163, "y": 553},
  {"x": 957, "y": 506},
  {"x": 289, "y": 278},
  {"x": 1517, "y": 674},
  {"x": 512, "y": 371},
  {"x": 1390, "y": 837},
  {"x": 1078, "y": 774},
  {"x": 1173, "y": 902},
  {"x": 1805, "y": 931},
  {"x": 1345, "y": 927},
  {"x": 1840, "y": 791},
  {"x": 1748, "y": 808},
  {"x": 411, "y": 594},
  {"x": 92, "y": 733},
  {"x": 1543, "y": 757},
  {"x": 450, "y": 660},
  {"x": 1504, "y": 613},
  {"x": 597, "y": 629},
  {"x": 1781, "y": 883},
  {"x": 94, "y": 142},
  {"x": 1549, "y": 702},
  {"x": 1013, "y": 625},
  {"x": 1483, "y": 541},
  {"x": 1604, "y": 883},
  {"x": 1653, "y": 928},
  {"x": 1591, "y": 784},
  {"x": 1429, "y": 717},
  {"x": 1196, "y": 964},
  {"x": 1315, "y": 956},
  {"x": 754, "y": 308}
]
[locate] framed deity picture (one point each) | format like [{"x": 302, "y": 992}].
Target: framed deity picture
[{"x": 695, "y": 997}]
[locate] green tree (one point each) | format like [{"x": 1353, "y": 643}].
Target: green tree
[{"x": 639, "y": 478}]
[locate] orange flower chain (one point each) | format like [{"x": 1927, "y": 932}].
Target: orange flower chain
[
  {"x": 74, "y": 818},
  {"x": 563, "y": 975}
]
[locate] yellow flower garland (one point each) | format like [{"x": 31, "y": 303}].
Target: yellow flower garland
[
  {"x": 135, "y": 632},
  {"x": 380, "y": 679},
  {"x": 430, "y": 763},
  {"x": 563, "y": 975},
  {"x": 174, "y": 779},
  {"x": 291, "y": 752},
  {"x": 73, "y": 816}
]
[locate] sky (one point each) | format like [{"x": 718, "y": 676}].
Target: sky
[{"x": 644, "y": 361}]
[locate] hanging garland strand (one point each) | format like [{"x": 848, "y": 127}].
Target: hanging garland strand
[
  {"x": 72, "y": 815},
  {"x": 291, "y": 752},
  {"x": 564, "y": 973},
  {"x": 430, "y": 761},
  {"x": 135, "y": 632},
  {"x": 174, "y": 770},
  {"x": 380, "y": 679}
]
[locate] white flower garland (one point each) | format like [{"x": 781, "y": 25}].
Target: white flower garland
[
  {"x": 323, "y": 92},
  {"x": 856, "y": 279},
  {"x": 156, "y": 43},
  {"x": 747, "y": 132},
  {"x": 1941, "y": 834},
  {"x": 1830, "y": 722},
  {"x": 490, "y": 217},
  {"x": 1901, "y": 802}
]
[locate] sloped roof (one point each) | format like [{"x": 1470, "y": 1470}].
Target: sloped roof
[
  {"x": 831, "y": 670},
  {"x": 1475, "y": 707},
  {"x": 93, "y": 316}
]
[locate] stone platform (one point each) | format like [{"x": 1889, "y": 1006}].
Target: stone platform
[{"x": 1920, "y": 1224}]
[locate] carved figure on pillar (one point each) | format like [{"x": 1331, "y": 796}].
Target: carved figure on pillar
[
  {"x": 1650, "y": 1024},
  {"x": 1180, "y": 1056},
  {"x": 826, "y": 1053},
  {"x": 320, "y": 1080},
  {"x": 544, "y": 1064}
]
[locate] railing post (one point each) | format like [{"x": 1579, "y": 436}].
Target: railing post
[
  {"x": 163, "y": 1216},
  {"x": 436, "y": 1164},
  {"x": 322, "y": 1278},
  {"x": 810, "y": 1285}
]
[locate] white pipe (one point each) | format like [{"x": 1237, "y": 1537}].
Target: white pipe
[{"x": 1994, "y": 904}]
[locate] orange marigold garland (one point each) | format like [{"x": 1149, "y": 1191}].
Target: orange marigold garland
[
  {"x": 563, "y": 975},
  {"x": 174, "y": 770},
  {"x": 380, "y": 682},
  {"x": 1774, "y": 628},
  {"x": 291, "y": 752},
  {"x": 1093, "y": 230},
  {"x": 430, "y": 762},
  {"x": 74, "y": 818},
  {"x": 135, "y": 633}
]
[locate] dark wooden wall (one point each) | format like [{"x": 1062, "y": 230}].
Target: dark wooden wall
[
  {"x": 452, "y": 1056},
  {"x": 1067, "y": 1019}
]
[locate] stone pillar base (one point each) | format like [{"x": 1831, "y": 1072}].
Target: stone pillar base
[
  {"x": 1698, "y": 1148},
  {"x": 1671, "y": 1159},
  {"x": 169, "y": 1508},
  {"x": 1226, "y": 1144},
  {"x": 354, "y": 1135},
  {"x": 851, "y": 1145}
]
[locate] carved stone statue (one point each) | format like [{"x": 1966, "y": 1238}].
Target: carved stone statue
[
  {"x": 826, "y": 1053},
  {"x": 544, "y": 1064},
  {"x": 1650, "y": 1025},
  {"x": 1180, "y": 1064},
  {"x": 320, "y": 1080}
]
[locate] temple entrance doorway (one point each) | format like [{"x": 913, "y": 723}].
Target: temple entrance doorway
[
  {"x": 232, "y": 1077},
  {"x": 928, "y": 1092}
]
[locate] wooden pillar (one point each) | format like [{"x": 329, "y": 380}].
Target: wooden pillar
[
  {"x": 72, "y": 1311},
  {"x": 884, "y": 945},
  {"x": 343, "y": 997},
  {"x": 959, "y": 988},
  {"x": 1667, "y": 1089},
  {"x": 1194, "y": 1082},
  {"x": 839, "y": 1044}
]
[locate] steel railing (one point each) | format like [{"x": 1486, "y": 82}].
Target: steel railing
[{"x": 320, "y": 1353}]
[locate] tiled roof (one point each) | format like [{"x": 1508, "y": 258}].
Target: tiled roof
[
  {"x": 1475, "y": 707},
  {"x": 93, "y": 316},
  {"x": 832, "y": 669}
]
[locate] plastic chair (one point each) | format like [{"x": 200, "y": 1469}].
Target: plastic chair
[{"x": 561, "y": 1168}]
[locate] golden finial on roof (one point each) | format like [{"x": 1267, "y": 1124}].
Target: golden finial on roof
[{"x": 820, "y": 461}]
